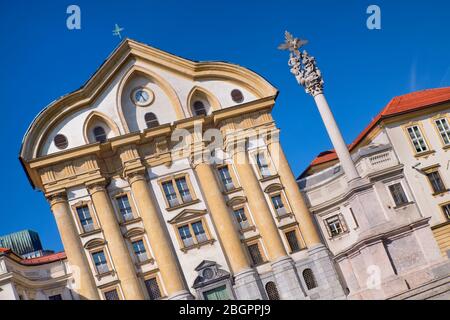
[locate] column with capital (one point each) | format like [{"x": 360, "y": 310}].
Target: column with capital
[
  {"x": 82, "y": 273},
  {"x": 163, "y": 250},
  {"x": 286, "y": 277},
  {"x": 120, "y": 254},
  {"x": 246, "y": 278}
]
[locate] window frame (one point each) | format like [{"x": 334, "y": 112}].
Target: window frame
[
  {"x": 232, "y": 176},
  {"x": 405, "y": 191},
  {"x": 257, "y": 242},
  {"x": 268, "y": 159},
  {"x": 108, "y": 262},
  {"x": 153, "y": 120},
  {"x": 96, "y": 136},
  {"x": 434, "y": 121},
  {"x": 411, "y": 142},
  {"x": 133, "y": 207},
  {"x": 196, "y": 243},
  {"x": 92, "y": 213},
  {"x": 342, "y": 222},
  {"x": 154, "y": 275},
  {"x": 146, "y": 247},
  {"x": 173, "y": 179},
  {"x": 442, "y": 206},
  {"x": 251, "y": 225},
  {"x": 111, "y": 288},
  {"x": 431, "y": 170}
]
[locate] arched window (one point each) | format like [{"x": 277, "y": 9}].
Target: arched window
[
  {"x": 100, "y": 134},
  {"x": 199, "y": 108},
  {"x": 272, "y": 291},
  {"x": 151, "y": 120},
  {"x": 309, "y": 278}
]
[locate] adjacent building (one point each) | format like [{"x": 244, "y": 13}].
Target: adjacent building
[{"x": 390, "y": 234}]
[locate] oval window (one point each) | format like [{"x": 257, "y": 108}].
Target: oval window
[{"x": 61, "y": 141}]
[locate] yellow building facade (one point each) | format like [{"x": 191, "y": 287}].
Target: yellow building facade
[{"x": 167, "y": 181}]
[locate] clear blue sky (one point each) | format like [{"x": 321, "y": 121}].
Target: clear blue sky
[{"x": 42, "y": 60}]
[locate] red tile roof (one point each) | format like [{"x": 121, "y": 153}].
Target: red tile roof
[
  {"x": 45, "y": 259},
  {"x": 402, "y": 104},
  {"x": 36, "y": 261}
]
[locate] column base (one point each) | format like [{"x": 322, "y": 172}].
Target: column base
[
  {"x": 287, "y": 280},
  {"x": 247, "y": 286},
  {"x": 181, "y": 295},
  {"x": 326, "y": 274}
]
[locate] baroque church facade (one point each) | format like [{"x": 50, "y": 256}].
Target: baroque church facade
[{"x": 167, "y": 181}]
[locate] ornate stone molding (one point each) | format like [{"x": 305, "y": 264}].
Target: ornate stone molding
[
  {"x": 303, "y": 66},
  {"x": 57, "y": 198}
]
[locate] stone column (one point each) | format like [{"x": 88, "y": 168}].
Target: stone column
[
  {"x": 336, "y": 138},
  {"x": 283, "y": 268},
  {"x": 70, "y": 238},
  {"x": 304, "y": 218},
  {"x": 246, "y": 279},
  {"x": 119, "y": 251},
  {"x": 161, "y": 244}
]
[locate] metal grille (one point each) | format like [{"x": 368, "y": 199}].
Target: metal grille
[
  {"x": 153, "y": 289},
  {"x": 293, "y": 242},
  {"x": 272, "y": 291},
  {"x": 112, "y": 295},
  {"x": 255, "y": 254},
  {"x": 309, "y": 278}
]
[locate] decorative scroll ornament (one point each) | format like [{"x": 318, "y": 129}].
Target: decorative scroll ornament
[{"x": 303, "y": 66}]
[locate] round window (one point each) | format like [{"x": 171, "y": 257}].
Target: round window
[
  {"x": 142, "y": 96},
  {"x": 237, "y": 96},
  {"x": 60, "y": 141}
]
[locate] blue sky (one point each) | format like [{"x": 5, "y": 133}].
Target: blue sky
[{"x": 42, "y": 60}]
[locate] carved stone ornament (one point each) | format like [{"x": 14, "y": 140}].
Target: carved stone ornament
[{"x": 303, "y": 66}]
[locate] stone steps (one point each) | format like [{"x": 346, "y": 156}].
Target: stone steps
[{"x": 437, "y": 289}]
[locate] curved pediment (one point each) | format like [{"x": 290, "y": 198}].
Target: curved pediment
[
  {"x": 94, "y": 243},
  {"x": 273, "y": 188},
  {"x": 134, "y": 232},
  {"x": 236, "y": 200}
]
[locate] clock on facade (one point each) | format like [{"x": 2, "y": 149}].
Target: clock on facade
[{"x": 142, "y": 96}]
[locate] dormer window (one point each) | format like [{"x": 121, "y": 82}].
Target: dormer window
[
  {"x": 151, "y": 120},
  {"x": 100, "y": 134},
  {"x": 199, "y": 108}
]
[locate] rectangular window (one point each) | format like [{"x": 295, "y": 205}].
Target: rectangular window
[
  {"x": 255, "y": 254},
  {"x": 186, "y": 237},
  {"x": 199, "y": 232},
  {"x": 226, "y": 179},
  {"x": 335, "y": 226},
  {"x": 153, "y": 288},
  {"x": 100, "y": 262},
  {"x": 112, "y": 295},
  {"x": 446, "y": 209},
  {"x": 417, "y": 139},
  {"x": 170, "y": 193},
  {"x": 220, "y": 293},
  {"x": 125, "y": 209},
  {"x": 263, "y": 165},
  {"x": 291, "y": 237},
  {"x": 398, "y": 194},
  {"x": 436, "y": 182},
  {"x": 444, "y": 130},
  {"x": 55, "y": 297},
  {"x": 278, "y": 205},
  {"x": 241, "y": 218},
  {"x": 140, "y": 251},
  {"x": 85, "y": 218},
  {"x": 183, "y": 190}
]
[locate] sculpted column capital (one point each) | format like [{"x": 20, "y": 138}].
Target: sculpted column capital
[
  {"x": 60, "y": 197},
  {"x": 96, "y": 186},
  {"x": 135, "y": 176}
]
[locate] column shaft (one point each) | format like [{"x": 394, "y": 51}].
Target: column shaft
[
  {"x": 161, "y": 245},
  {"x": 222, "y": 219},
  {"x": 304, "y": 218},
  {"x": 259, "y": 207},
  {"x": 336, "y": 138},
  {"x": 74, "y": 249},
  {"x": 119, "y": 251}
]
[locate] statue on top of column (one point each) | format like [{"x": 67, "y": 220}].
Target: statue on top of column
[{"x": 303, "y": 66}]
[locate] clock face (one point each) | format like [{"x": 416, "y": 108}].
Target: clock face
[{"x": 142, "y": 96}]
